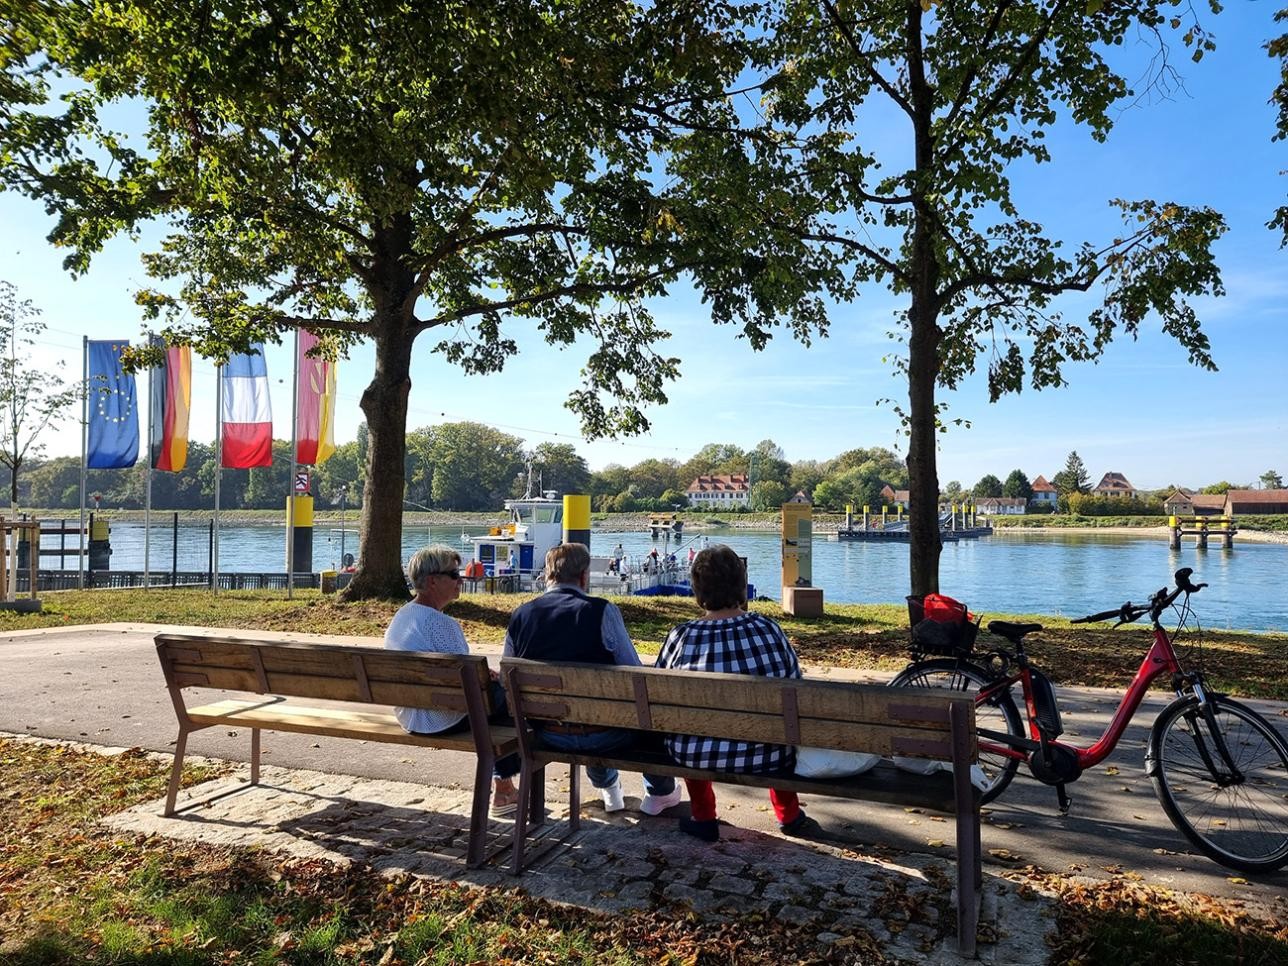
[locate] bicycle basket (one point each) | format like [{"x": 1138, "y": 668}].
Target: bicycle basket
[{"x": 941, "y": 625}]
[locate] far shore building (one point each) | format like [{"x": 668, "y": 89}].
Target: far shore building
[
  {"x": 1044, "y": 494},
  {"x": 716, "y": 491},
  {"x": 1114, "y": 484},
  {"x": 1255, "y": 501},
  {"x": 1002, "y": 505},
  {"x": 894, "y": 498},
  {"x": 1186, "y": 503}
]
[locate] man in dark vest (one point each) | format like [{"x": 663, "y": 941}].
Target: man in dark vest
[{"x": 567, "y": 624}]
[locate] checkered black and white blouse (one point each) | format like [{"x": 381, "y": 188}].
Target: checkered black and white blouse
[{"x": 745, "y": 644}]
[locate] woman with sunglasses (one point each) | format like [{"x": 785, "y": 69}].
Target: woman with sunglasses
[{"x": 420, "y": 625}]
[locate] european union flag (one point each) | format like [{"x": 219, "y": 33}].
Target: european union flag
[{"x": 113, "y": 409}]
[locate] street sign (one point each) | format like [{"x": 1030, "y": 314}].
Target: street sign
[{"x": 301, "y": 482}]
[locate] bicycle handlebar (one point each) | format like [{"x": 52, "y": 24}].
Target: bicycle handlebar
[{"x": 1130, "y": 612}]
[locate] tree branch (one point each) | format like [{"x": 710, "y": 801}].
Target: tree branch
[
  {"x": 622, "y": 287},
  {"x": 873, "y": 74},
  {"x": 1018, "y": 69}
]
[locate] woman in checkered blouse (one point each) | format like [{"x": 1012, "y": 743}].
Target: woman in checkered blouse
[{"x": 729, "y": 639}]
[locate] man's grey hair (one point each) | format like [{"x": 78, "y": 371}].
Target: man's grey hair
[
  {"x": 566, "y": 563},
  {"x": 431, "y": 560}
]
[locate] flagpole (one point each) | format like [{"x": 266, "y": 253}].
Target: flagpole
[
  {"x": 219, "y": 471},
  {"x": 290, "y": 483},
  {"x": 80, "y": 554},
  {"x": 147, "y": 499}
]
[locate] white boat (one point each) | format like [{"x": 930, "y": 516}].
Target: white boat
[{"x": 519, "y": 546}]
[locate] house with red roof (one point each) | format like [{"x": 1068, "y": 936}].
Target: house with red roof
[
  {"x": 1114, "y": 484},
  {"x": 1044, "y": 494},
  {"x": 715, "y": 491}
]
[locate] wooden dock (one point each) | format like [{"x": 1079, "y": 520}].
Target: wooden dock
[
  {"x": 1201, "y": 528},
  {"x": 903, "y": 536}
]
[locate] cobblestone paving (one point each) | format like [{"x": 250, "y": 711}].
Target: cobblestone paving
[{"x": 614, "y": 863}]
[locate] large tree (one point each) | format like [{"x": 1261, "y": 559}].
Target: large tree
[
  {"x": 31, "y": 395},
  {"x": 378, "y": 171},
  {"x": 901, "y": 125},
  {"x": 1073, "y": 478},
  {"x": 1017, "y": 485}
]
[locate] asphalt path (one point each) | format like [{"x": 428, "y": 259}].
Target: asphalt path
[{"x": 102, "y": 684}]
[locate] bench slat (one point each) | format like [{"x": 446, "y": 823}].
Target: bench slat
[
  {"x": 884, "y": 784},
  {"x": 330, "y": 688},
  {"x": 879, "y": 737},
  {"x": 322, "y": 660},
  {"x": 337, "y": 723},
  {"x": 842, "y": 701}
]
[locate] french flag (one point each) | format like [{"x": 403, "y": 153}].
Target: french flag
[{"x": 247, "y": 414}]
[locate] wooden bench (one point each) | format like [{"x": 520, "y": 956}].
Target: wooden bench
[
  {"x": 913, "y": 722},
  {"x": 362, "y": 676}
]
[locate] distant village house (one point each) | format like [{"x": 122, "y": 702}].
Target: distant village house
[
  {"x": 1186, "y": 503},
  {"x": 1115, "y": 484},
  {"x": 1255, "y": 501},
  {"x": 1044, "y": 494},
  {"x": 894, "y": 498},
  {"x": 1001, "y": 505}
]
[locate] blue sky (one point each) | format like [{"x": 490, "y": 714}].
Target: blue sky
[{"x": 1142, "y": 410}]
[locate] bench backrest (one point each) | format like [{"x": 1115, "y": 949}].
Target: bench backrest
[
  {"x": 914, "y": 722},
  {"x": 336, "y": 672}
]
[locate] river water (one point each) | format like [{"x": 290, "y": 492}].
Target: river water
[{"x": 1068, "y": 573}]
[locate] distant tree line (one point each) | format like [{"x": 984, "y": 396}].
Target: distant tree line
[{"x": 471, "y": 466}]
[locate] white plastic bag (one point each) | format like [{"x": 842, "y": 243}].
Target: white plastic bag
[
  {"x": 823, "y": 763},
  {"x": 928, "y": 766}
]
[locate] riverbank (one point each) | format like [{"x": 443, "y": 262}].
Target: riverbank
[
  {"x": 856, "y": 636},
  {"x": 1256, "y": 530}
]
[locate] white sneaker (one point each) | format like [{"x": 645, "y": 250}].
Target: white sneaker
[
  {"x": 613, "y": 801},
  {"x": 657, "y": 804}
]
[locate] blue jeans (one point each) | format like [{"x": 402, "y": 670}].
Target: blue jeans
[{"x": 604, "y": 741}]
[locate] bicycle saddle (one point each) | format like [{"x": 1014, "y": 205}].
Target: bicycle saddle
[{"x": 1012, "y": 632}]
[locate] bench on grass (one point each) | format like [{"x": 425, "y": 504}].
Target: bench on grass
[
  {"x": 369, "y": 680},
  {"x": 911, "y": 722}
]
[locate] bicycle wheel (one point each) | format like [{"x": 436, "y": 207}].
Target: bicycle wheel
[
  {"x": 1240, "y": 821},
  {"x": 996, "y": 714}
]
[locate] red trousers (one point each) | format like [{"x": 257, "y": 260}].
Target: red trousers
[{"x": 702, "y": 802}]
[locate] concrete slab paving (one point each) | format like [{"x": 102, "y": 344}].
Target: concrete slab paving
[{"x": 613, "y": 864}]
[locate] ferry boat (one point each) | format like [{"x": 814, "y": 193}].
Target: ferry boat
[{"x": 518, "y": 547}]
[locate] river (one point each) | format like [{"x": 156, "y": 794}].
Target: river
[{"x": 1068, "y": 573}]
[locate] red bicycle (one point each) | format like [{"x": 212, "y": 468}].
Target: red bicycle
[{"x": 1219, "y": 768}]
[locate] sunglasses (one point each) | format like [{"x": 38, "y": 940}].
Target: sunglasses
[{"x": 452, "y": 574}]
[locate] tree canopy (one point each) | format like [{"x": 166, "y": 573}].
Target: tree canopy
[
  {"x": 899, "y": 128},
  {"x": 378, "y": 172}
]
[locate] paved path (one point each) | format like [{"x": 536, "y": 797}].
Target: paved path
[{"x": 102, "y": 684}]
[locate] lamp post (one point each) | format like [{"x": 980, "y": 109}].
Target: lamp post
[
  {"x": 429, "y": 533},
  {"x": 344, "y": 505}
]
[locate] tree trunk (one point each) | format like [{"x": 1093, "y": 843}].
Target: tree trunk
[
  {"x": 379, "y": 568},
  {"x": 923, "y": 477},
  {"x": 924, "y": 334},
  {"x": 379, "y": 572}
]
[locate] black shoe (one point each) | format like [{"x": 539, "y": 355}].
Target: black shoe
[
  {"x": 801, "y": 827},
  {"x": 708, "y": 830}
]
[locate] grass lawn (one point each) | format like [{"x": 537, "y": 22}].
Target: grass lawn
[
  {"x": 74, "y": 892},
  {"x": 859, "y": 636}
]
